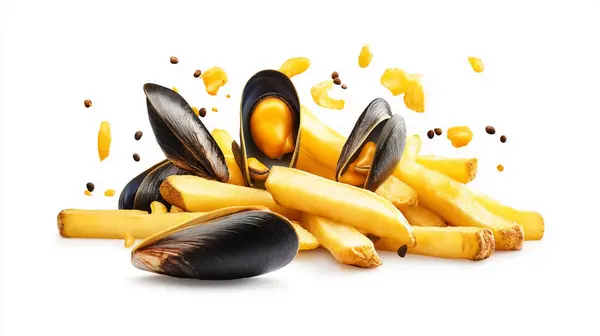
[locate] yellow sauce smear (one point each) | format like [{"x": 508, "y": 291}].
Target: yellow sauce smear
[
  {"x": 295, "y": 66},
  {"x": 213, "y": 79},
  {"x": 365, "y": 57},
  {"x": 320, "y": 94},
  {"x": 460, "y": 136},
  {"x": 109, "y": 193},
  {"x": 104, "y": 140},
  {"x": 476, "y": 64},
  {"x": 395, "y": 80}
]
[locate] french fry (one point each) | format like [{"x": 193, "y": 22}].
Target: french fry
[
  {"x": 307, "y": 240},
  {"x": 446, "y": 242},
  {"x": 531, "y": 222},
  {"x": 117, "y": 224},
  {"x": 343, "y": 203},
  {"x": 398, "y": 192},
  {"x": 320, "y": 149},
  {"x": 193, "y": 193},
  {"x": 463, "y": 170},
  {"x": 422, "y": 216},
  {"x": 453, "y": 201},
  {"x": 345, "y": 243}
]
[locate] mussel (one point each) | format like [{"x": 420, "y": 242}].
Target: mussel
[
  {"x": 374, "y": 147},
  {"x": 269, "y": 126},
  {"x": 188, "y": 146},
  {"x": 230, "y": 243},
  {"x": 143, "y": 189}
]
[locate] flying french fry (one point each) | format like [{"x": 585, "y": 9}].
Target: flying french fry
[
  {"x": 345, "y": 243},
  {"x": 446, "y": 242}
]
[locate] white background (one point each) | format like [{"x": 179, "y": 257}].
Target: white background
[{"x": 540, "y": 88}]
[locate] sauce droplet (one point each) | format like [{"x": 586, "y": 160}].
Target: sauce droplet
[
  {"x": 214, "y": 78},
  {"x": 320, "y": 94}
]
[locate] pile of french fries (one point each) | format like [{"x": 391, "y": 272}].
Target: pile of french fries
[{"x": 445, "y": 218}]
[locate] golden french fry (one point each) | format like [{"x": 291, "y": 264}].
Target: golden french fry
[
  {"x": 531, "y": 222},
  {"x": 398, "y": 192},
  {"x": 193, "y": 193},
  {"x": 117, "y": 224},
  {"x": 446, "y": 242},
  {"x": 224, "y": 140},
  {"x": 422, "y": 216},
  {"x": 363, "y": 209},
  {"x": 453, "y": 201},
  {"x": 307, "y": 240},
  {"x": 463, "y": 170},
  {"x": 346, "y": 244}
]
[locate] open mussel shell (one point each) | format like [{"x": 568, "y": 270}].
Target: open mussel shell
[
  {"x": 144, "y": 189},
  {"x": 388, "y": 131},
  {"x": 181, "y": 135},
  {"x": 266, "y": 84},
  {"x": 230, "y": 243}
]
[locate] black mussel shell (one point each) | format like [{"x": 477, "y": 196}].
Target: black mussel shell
[
  {"x": 388, "y": 131},
  {"x": 230, "y": 243},
  {"x": 144, "y": 189},
  {"x": 181, "y": 135},
  {"x": 267, "y": 83}
]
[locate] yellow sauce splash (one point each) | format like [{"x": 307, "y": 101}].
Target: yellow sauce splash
[
  {"x": 500, "y": 168},
  {"x": 104, "y": 140},
  {"x": 87, "y": 193},
  {"x": 109, "y": 193},
  {"x": 395, "y": 80},
  {"x": 215, "y": 109},
  {"x": 414, "y": 98},
  {"x": 460, "y": 136},
  {"x": 365, "y": 57},
  {"x": 175, "y": 89},
  {"x": 295, "y": 66},
  {"x": 476, "y": 64},
  {"x": 213, "y": 79},
  {"x": 196, "y": 111},
  {"x": 320, "y": 94}
]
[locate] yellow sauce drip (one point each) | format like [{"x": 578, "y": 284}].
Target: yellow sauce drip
[
  {"x": 320, "y": 94},
  {"x": 295, "y": 66},
  {"x": 460, "y": 136},
  {"x": 476, "y": 64},
  {"x": 157, "y": 207},
  {"x": 357, "y": 171},
  {"x": 104, "y": 140},
  {"x": 109, "y": 193},
  {"x": 271, "y": 127},
  {"x": 213, "y": 79},
  {"x": 365, "y": 57},
  {"x": 129, "y": 240},
  {"x": 395, "y": 80}
]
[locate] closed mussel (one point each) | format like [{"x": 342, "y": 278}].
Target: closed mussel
[
  {"x": 269, "y": 126},
  {"x": 374, "y": 147},
  {"x": 230, "y": 243}
]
